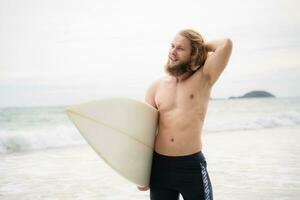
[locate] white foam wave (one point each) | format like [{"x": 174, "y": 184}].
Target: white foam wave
[
  {"x": 266, "y": 121},
  {"x": 39, "y": 138}
]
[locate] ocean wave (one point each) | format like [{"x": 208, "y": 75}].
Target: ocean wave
[
  {"x": 66, "y": 134},
  {"x": 39, "y": 138},
  {"x": 259, "y": 122}
]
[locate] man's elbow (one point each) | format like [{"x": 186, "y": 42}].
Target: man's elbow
[
  {"x": 228, "y": 43},
  {"x": 226, "y": 48}
]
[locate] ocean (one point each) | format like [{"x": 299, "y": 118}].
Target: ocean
[
  {"x": 31, "y": 128},
  {"x": 251, "y": 145}
]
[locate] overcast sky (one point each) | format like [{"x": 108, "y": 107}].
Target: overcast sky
[{"x": 56, "y": 52}]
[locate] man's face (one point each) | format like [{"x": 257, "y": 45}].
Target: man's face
[{"x": 179, "y": 55}]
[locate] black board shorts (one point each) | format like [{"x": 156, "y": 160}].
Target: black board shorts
[{"x": 186, "y": 175}]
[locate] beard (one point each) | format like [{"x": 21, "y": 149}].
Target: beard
[{"x": 177, "y": 69}]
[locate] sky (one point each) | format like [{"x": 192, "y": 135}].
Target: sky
[{"x": 61, "y": 52}]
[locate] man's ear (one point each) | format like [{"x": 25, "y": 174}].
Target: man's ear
[{"x": 193, "y": 56}]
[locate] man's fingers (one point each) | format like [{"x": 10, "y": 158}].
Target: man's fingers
[{"x": 144, "y": 188}]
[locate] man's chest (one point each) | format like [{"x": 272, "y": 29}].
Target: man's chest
[{"x": 174, "y": 95}]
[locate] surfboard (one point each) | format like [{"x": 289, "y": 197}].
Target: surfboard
[{"x": 122, "y": 132}]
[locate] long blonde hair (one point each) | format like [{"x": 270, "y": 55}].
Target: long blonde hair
[{"x": 199, "y": 52}]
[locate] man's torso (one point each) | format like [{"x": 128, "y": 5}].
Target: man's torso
[{"x": 182, "y": 107}]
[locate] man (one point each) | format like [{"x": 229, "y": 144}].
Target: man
[{"x": 181, "y": 97}]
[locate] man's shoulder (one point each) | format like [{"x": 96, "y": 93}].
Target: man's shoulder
[
  {"x": 151, "y": 92},
  {"x": 154, "y": 85}
]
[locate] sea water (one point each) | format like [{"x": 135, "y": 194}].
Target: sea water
[
  {"x": 47, "y": 127},
  {"x": 252, "y": 153}
]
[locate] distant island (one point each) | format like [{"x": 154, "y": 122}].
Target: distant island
[{"x": 254, "y": 94}]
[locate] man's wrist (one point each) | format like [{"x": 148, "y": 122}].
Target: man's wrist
[{"x": 209, "y": 47}]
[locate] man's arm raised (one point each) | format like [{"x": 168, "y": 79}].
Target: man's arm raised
[{"x": 217, "y": 61}]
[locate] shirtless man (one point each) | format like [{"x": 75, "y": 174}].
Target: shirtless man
[{"x": 182, "y": 97}]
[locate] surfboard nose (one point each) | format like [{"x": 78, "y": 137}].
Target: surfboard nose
[
  {"x": 134, "y": 118},
  {"x": 122, "y": 131}
]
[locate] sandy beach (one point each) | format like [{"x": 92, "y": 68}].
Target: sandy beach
[
  {"x": 254, "y": 164},
  {"x": 257, "y": 164}
]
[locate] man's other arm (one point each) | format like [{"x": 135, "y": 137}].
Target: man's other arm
[
  {"x": 150, "y": 99},
  {"x": 218, "y": 59}
]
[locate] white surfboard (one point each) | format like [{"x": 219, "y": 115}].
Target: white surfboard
[{"x": 122, "y": 131}]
